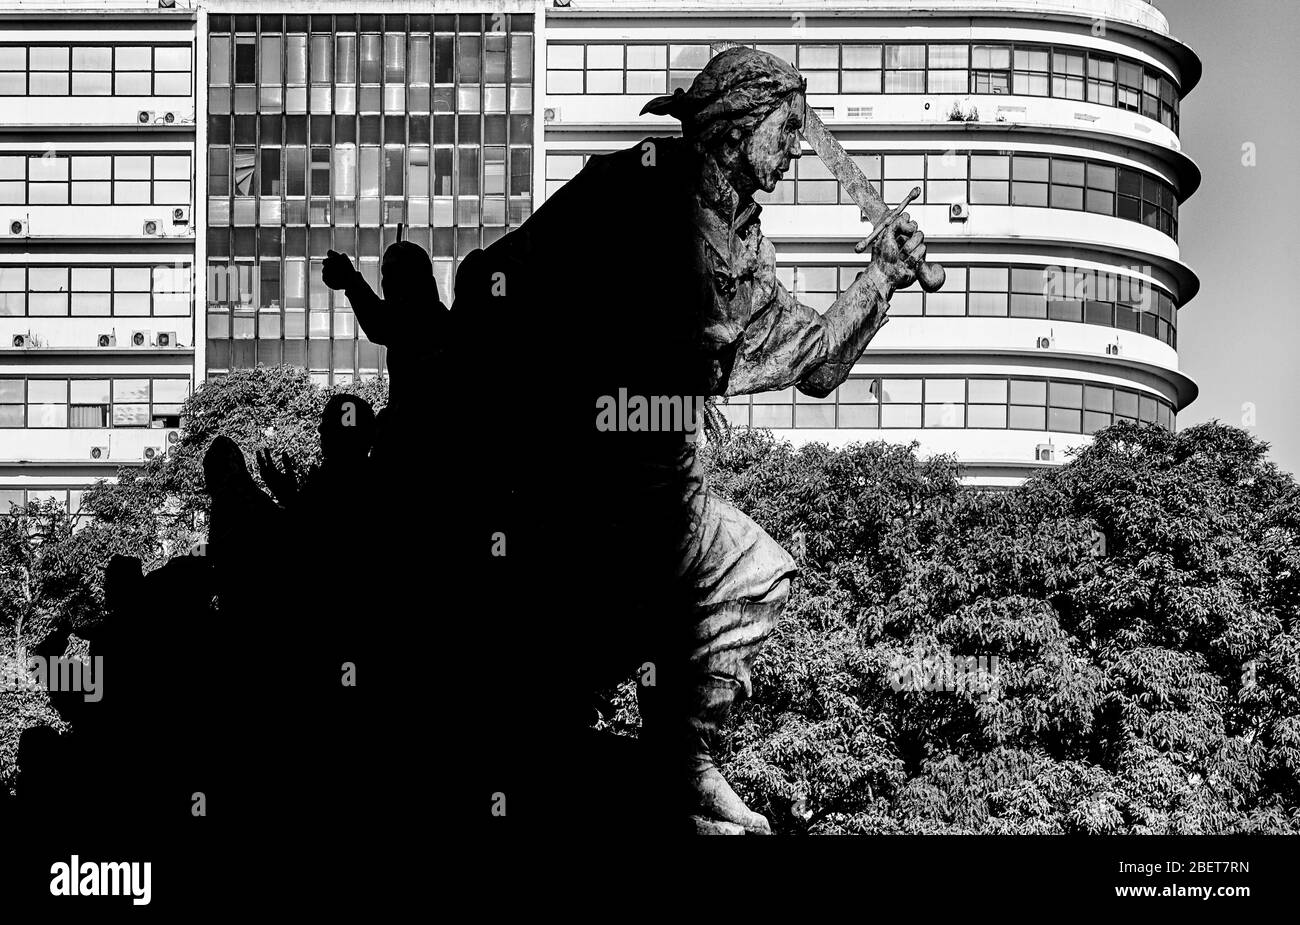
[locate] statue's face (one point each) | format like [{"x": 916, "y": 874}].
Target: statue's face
[{"x": 766, "y": 155}]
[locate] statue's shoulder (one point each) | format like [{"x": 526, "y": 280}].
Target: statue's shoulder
[{"x": 651, "y": 161}]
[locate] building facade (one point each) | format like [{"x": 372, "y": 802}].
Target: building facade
[
  {"x": 97, "y": 240},
  {"x": 335, "y": 126},
  {"x": 246, "y": 138},
  {"x": 1043, "y": 135}
]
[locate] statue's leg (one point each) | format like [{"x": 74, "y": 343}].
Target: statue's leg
[
  {"x": 736, "y": 580},
  {"x": 727, "y": 636}
]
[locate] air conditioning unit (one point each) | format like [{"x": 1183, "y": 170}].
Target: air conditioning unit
[
  {"x": 165, "y": 339},
  {"x": 152, "y": 117},
  {"x": 1112, "y": 350},
  {"x": 139, "y": 338},
  {"x": 958, "y": 212},
  {"x": 18, "y": 228},
  {"x": 173, "y": 436},
  {"x": 106, "y": 340},
  {"x": 1044, "y": 452},
  {"x": 99, "y": 452},
  {"x": 551, "y": 114},
  {"x": 181, "y": 215},
  {"x": 151, "y": 228},
  {"x": 153, "y": 452},
  {"x": 1045, "y": 343},
  {"x": 22, "y": 341}
]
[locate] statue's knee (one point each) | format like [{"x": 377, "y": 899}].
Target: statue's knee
[{"x": 778, "y": 594}]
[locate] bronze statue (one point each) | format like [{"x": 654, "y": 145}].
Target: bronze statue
[{"x": 648, "y": 276}]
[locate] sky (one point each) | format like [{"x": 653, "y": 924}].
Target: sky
[{"x": 1241, "y": 231}]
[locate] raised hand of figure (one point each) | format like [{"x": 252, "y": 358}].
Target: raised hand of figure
[
  {"x": 899, "y": 252},
  {"x": 337, "y": 271},
  {"x": 283, "y": 483}
]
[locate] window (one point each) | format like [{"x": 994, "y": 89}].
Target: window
[
  {"x": 604, "y": 68},
  {"x": 92, "y": 71},
  {"x": 820, "y": 64},
  {"x": 48, "y": 67},
  {"x": 1031, "y": 71},
  {"x": 1029, "y": 180},
  {"x": 13, "y": 291},
  {"x": 172, "y": 68},
  {"x": 949, "y": 69},
  {"x": 904, "y": 68},
  {"x": 947, "y": 178},
  {"x": 89, "y": 403},
  {"x": 647, "y": 69},
  {"x": 48, "y": 293},
  {"x": 13, "y": 70},
  {"x": 862, "y": 68},
  {"x": 989, "y": 291},
  {"x": 47, "y": 180},
  {"x": 564, "y": 65},
  {"x": 1067, "y": 183},
  {"x": 47, "y": 403},
  {"x": 902, "y": 173},
  {"x": 1101, "y": 80},
  {"x": 1028, "y": 299},
  {"x": 1067, "y": 75},
  {"x": 1130, "y": 86},
  {"x": 991, "y": 69},
  {"x": 990, "y": 175}
]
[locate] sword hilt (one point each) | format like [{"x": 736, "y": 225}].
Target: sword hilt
[{"x": 930, "y": 275}]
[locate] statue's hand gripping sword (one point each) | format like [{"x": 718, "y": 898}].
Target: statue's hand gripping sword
[{"x": 874, "y": 209}]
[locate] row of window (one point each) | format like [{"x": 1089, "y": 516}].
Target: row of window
[
  {"x": 343, "y": 358},
  {"x": 94, "y": 291},
  {"x": 70, "y": 498},
  {"x": 977, "y": 178},
  {"x": 56, "y": 403},
  {"x": 342, "y": 61},
  {"x": 983, "y": 291},
  {"x": 272, "y": 242},
  {"x": 295, "y": 241},
  {"x": 294, "y": 285},
  {"x": 324, "y": 101},
  {"x": 1000, "y": 403},
  {"x": 348, "y": 171},
  {"x": 95, "y": 179},
  {"x": 95, "y": 70},
  {"x": 220, "y": 24},
  {"x": 1059, "y": 71}
]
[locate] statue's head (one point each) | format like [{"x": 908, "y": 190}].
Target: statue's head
[
  {"x": 407, "y": 274},
  {"x": 224, "y": 467},
  {"x": 347, "y": 429},
  {"x": 745, "y": 109}
]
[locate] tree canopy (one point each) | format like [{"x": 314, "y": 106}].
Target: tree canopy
[
  {"x": 1132, "y": 617},
  {"x": 1140, "y": 603}
]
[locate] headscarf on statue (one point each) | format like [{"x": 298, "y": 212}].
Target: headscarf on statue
[{"x": 738, "y": 85}]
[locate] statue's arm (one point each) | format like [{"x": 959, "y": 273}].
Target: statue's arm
[
  {"x": 788, "y": 343},
  {"x": 372, "y": 314}
]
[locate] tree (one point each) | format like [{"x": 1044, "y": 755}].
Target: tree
[{"x": 1150, "y": 689}]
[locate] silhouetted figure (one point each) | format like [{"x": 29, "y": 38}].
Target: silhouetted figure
[
  {"x": 411, "y": 321},
  {"x": 347, "y": 435},
  {"x": 136, "y": 754}
]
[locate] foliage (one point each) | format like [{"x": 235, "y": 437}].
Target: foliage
[{"x": 1155, "y": 688}]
